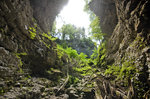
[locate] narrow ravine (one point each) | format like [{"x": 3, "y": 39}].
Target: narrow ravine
[{"x": 74, "y": 49}]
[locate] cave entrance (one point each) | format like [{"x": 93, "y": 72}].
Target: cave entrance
[
  {"x": 73, "y": 27},
  {"x": 79, "y": 36},
  {"x": 73, "y": 13}
]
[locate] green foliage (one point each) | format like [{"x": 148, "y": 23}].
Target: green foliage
[
  {"x": 86, "y": 7},
  {"x": 138, "y": 42},
  {"x": 72, "y": 81},
  {"x": 26, "y": 78},
  {"x": 113, "y": 70},
  {"x": 95, "y": 23},
  {"x": 46, "y": 37},
  {"x": 52, "y": 71},
  {"x": 101, "y": 59},
  {"x": 18, "y": 55},
  {"x": 70, "y": 32},
  {"x": 67, "y": 31},
  {"x": 32, "y": 32},
  {"x": 96, "y": 30},
  {"x": 21, "y": 54},
  {"x": 60, "y": 51},
  {"x": 2, "y": 30},
  {"x": 82, "y": 57},
  {"x": 71, "y": 36},
  {"x": 1, "y": 91},
  {"x": 127, "y": 70},
  {"x": 83, "y": 67},
  {"x": 84, "y": 70},
  {"x": 94, "y": 57},
  {"x": 71, "y": 52},
  {"x": 124, "y": 72},
  {"x": 47, "y": 45},
  {"x": 49, "y": 36}
]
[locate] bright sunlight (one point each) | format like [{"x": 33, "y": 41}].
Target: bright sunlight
[{"x": 73, "y": 13}]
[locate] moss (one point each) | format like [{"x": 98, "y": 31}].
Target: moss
[
  {"x": 2, "y": 30},
  {"x": 32, "y": 32},
  {"x": 18, "y": 55},
  {"x": 1, "y": 91},
  {"x": 47, "y": 37},
  {"x": 138, "y": 42},
  {"x": 124, "y": 72},
  {"x": 26, "y": 78},
  {"x": 21, "y": 54},
  {"x": 127, "y": 70},
  {"x": 47, "y": 45}
]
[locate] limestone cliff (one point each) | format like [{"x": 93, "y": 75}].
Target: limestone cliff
[
  {"x": 129, "y": 34},
  {"x": 23, "y": 49},
  {"x": 106, "y": 10}
]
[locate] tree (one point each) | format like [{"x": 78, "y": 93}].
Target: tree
[
  {"x": 74, "y": 37},
  {"x": 96, "y": 30},
  {"x": 67, "y": 31}
]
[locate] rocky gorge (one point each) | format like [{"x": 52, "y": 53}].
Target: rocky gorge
[{"x": 26, "y": 54}]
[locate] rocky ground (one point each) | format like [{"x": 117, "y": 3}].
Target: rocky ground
[{"x": 43, "y": 88}]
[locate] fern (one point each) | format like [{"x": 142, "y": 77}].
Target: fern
[
  {"x": 60, "y": 51},
  {"x": 49, "y": 36}
]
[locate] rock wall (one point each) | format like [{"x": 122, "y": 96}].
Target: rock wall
[
  {"x": 46, "y": 11},
  {"x": 18, "y": 25},
  {"x": 106, "y": 10},
  {"x": 129, "y": 34},
  {"x": 23, "y": 48}
]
